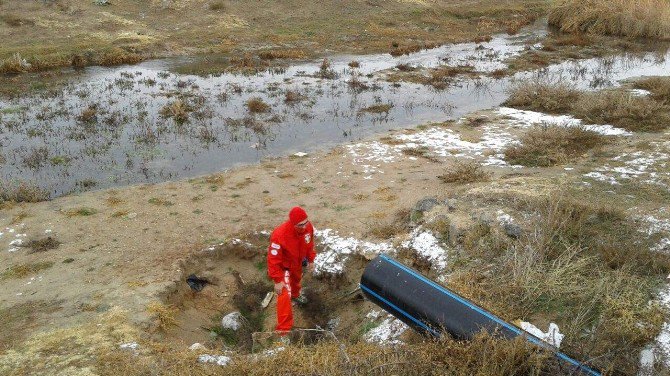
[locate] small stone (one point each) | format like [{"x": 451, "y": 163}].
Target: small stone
[
  {"x": 232, "y": 321},
  {"x": 426, "y": 204},
  {"x": 101, "y": 2},
  {"x": 512, "y": 230},
  {"x": 197, "y": 347}
]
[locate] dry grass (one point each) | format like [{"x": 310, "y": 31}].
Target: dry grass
[
  {"x": 398, "y": 50},
  {"x": 164, "y": 315},
  {"x": 619, "y": 108},
  {"x": 177, "y": 110},
  {"x": 24, "y": 270},
  {"x": 217, "y": 6},
  {"x": 293, "y": 96},
  {"x": 585, "y": 265},
  {"x": 387, "y": 229},
  {"x": 14, "y": 64},
  {"x": 543, "y": 96},
  {"x": 16, "y": 21},
  {"x": 658, "y": 86},
  {"x": 381, "y": 108},
  {"x": 623, "y": 110},
  {"x": 465, "y": 172},
  {"x": 545, "y": 146},
  {"x": 42, "y": 245},
  {"x": 21, "y": 192},
  {"x": 641, "y": 18},
  {"x": 257, "y": 105},
  {"x": 483, "y": 356},
  {"x": 282, "y": 54},
  {"x": 81, "y": 212}
]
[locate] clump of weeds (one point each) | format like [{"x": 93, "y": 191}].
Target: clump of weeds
[
  {"x": 465, "y": 172},
  {"x": 257, "y": 105}
]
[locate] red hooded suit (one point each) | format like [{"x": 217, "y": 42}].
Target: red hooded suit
[{"x": 289, "y": 246}]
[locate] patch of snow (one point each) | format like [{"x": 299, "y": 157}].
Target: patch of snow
[
  {"x": 660, "y": 349},
  {"x": 273, "y": 352},
  {"x": 427, "y": 247},
  {"x": 129, "y": 346},
  {"x": 337, "y": 250},
  {"x": 527, "y": 118},
  {"x": 658, "y": 226},
  {"x": 387, "y": 332},
  {"x": 504, "y": 217},
  {"x": 373, "y": 315},
  {"x": 601, "y": 177},
  {"x": 232, "y": 321},
  {"x": 300, "y": 154},
  {"x": 221, "y": 360},
  {"x": 553, "y": 336},
  {"x": 640, "y": 92}
]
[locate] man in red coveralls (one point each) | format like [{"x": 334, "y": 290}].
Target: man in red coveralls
[{"x": 291, "y": 248}]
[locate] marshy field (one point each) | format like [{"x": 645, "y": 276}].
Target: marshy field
[{"x": 517, "y": 152}]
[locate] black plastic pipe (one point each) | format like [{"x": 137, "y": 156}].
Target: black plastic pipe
[{"x": 431, "y": 309}]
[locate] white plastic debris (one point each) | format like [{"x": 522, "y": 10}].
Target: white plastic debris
[
  {"x": 221, "y": 360},
  {"x": 232, "y": 321},
  {"x": 553, "y": 336},
  {"x": 268, "y": 298}
]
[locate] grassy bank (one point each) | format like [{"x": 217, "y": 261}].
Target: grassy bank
[
  {"x": 638, "y": 19},
  {"x": 60, "y": 33}
]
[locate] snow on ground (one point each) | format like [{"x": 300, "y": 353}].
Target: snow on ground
[
  {"x": 528, "y": 118},
  {"x": 338, "y": 249},
  {"x": 443, "y": 142},
  {"x": 552, "y": 336},
  {"x": 221, "y": 360},
  {"x": 427, "y": 247},
  {"x": 658, "y": 226},
  {"x": 387, "y": 332},
  {"x": 649, "y": 167},
  {"x": 640, "y": 92},
  {"x": 18, "y": 237},
  {"x": 660, "y": 349}
]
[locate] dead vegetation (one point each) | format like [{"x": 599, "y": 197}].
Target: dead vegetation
[
  {"x": 42, "y": 244},
  {"x": 177, "y": 110},
  {"x": 465, "y": 172},
  {"x": 658, "y": 86},
  {"x": 483, "y": 356},
  {"x": 24, "y": 270},
  {"x": 164, "y": 316},
  {"x": 543, "y": 96},
  {"x": 380, "y": 108},
  {"x": 617, "y": 107},
  {"x": 585, "y": 264},
  {"x": 282, "y": 54},
  {"x": 398, "y": 50},
  {"x": 545, "y": 146},
  {"x": 645, "y": 18},
  {"x": 257, "y": 105},
  {"x": 21, "y": 192}
]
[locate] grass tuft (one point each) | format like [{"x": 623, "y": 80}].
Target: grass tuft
[
  {"x": 638, "y": 19},
  {"x": 545, "y": 146},
  {"x": 465, "y": 172},
  {"x": 21, "y": 192},
  {"x": 257, "y": 105},
  {"x": 24, "y": 270}
]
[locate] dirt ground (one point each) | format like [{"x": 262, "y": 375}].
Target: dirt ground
[{"x": 51, "y": 33}]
